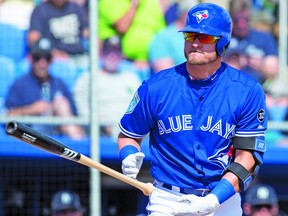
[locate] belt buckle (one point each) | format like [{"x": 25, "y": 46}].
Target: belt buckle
[{"x": 203, "y": 192}]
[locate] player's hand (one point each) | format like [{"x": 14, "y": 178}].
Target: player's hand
[
  {"x": 198, "y": 206},
  {"x": 132, "y": 163}
]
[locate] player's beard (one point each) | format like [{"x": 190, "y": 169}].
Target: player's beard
[{"x": 198, "y": 58}]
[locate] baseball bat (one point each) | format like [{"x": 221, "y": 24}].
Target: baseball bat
[{"x": 46, "y": 143}]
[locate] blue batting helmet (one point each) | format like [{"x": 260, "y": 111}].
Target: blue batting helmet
[{"x": 211, "y": 19}]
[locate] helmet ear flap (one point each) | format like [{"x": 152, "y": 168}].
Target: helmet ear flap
[{"x": 222, "y": 46}]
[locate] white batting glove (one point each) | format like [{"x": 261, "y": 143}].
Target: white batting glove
[
  {"x": 132, "y": 163},
  {"x": 198, "y": 206}
]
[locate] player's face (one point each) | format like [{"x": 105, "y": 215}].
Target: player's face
[{"x": 197, "y": 53}]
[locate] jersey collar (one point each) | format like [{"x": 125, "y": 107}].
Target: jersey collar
[{"x": 208, "y": 80}]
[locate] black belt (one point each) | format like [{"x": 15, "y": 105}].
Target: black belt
[{"x": 197, "y": 192}]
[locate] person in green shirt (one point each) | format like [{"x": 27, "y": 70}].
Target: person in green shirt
[{"x": 136, "y": 21}]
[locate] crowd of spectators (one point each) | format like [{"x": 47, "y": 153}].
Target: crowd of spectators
[{"x": 148, "y": 33}]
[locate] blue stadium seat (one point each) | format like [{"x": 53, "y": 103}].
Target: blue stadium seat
[
  {"x": 7, "y": 76},
  {"x": 23, "y": 67},
  {"x": 12, "y": 42}
]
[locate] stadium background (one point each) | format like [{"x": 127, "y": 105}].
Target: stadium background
[{"x": 30, "y": 176}]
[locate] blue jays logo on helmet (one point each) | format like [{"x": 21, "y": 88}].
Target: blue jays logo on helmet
[
  {"x": 200, "y": 15},
  {"x": 211, "y": 19}
]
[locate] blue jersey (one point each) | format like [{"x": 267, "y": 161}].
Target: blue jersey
[{"x": 191, "y": 123}]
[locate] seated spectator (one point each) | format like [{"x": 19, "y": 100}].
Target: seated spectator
[
  {"x": 65, "y": 24},
  {"x": 166, "y": 48},
  {"x": 258, "y": 48},
  {"x": 136, "y": 22},
  {"x": 66, "y": 203},
  {"x": 116, "y": 86},
  {"x": 38, "y": 93},
  {"x": 260, "y": 200}
]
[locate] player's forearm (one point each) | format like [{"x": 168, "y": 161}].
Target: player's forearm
[{"x": 231, "y": 183}]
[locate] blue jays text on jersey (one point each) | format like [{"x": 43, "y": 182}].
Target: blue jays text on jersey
[
  {"x": 191, "y": 122},
  {"x": 184, "y": 122}
]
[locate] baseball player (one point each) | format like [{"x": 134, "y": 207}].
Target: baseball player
[{"x": 206, "y": 123}]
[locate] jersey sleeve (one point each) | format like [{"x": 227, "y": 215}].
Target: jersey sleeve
[
  {"x": 138, "y": 119},
  {"x": 254, "y": 119}
]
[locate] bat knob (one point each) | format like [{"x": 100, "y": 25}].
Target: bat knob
[
  {"x": 11, "y": 127},
  {"x": 148, "y": 189}
]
